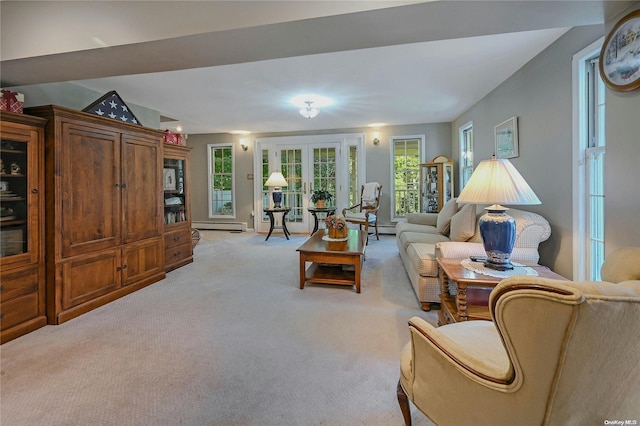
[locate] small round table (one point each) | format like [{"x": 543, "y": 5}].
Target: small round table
[
  {"x": 284, "y": 212},
  {"x": 328, "y": 211}
]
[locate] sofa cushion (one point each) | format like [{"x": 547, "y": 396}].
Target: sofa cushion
[
  {"x": 444, "y": 217},
  {"x": 463, "y": 223},
  {"x": 407, "y": 238},
  {"x": 423, "y": 258},
  {"x": 414, "y": 227}
]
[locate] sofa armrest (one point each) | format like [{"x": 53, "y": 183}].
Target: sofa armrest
[
  {"x": 423, "y": 218},
  {"x": 531, "y": 228}
]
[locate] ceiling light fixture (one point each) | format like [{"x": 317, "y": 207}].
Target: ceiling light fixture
[
  {"x": 310, "y": 104},
  {"x": 309, "y": 111}
]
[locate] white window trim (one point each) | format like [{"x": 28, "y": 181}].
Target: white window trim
[
  {"x": 579, "y": 116},
  {"x": 233, "y": 181},
  {"x": 421, "y": 151},
  {"x": 461, "y": 130}
]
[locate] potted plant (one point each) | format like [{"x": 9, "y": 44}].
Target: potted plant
[{"x": 320, "y": 196}]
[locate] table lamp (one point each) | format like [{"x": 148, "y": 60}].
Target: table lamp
[
  {"x": 497, "y": 182},
  {"x": 277, "y": 181}
]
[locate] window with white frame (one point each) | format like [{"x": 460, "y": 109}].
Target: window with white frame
[
  {"x": 221, "y": 185},
  {"x": 594, "y": 154},
  {"x": 589, "y": 155},
  {"x": 466, "y": 153},
  {"x": 406, "y": 152}
]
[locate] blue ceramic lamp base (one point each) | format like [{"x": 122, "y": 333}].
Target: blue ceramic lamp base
[
  {"x": 498, "y": 231},
  {"x": 277, "y": 198}
]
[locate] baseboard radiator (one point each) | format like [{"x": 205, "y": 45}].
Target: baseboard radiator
[{"x": 221, "y": 226}]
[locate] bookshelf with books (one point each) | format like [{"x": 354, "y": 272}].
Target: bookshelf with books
[{"x": 177, "y": 213}]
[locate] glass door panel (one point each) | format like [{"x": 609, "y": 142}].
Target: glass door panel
[
  {"x": 174, "y": 191},
  {"x": 15, "y": 214},
  {"x": 354, "y": 189},
  {"x": 291, "y": 165},
  {"x": 324, "y": 171}
]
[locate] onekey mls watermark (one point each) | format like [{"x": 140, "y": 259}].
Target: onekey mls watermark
[{"x": 620, "y": 422}]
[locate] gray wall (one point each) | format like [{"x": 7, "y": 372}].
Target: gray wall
[
  {"x": 622, "y": 165},
  {"x": 540, "y": 94},
  {"x": 378, "y": 158}
]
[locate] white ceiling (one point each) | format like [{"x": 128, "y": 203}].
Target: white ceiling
[
  {"x": 414, "y": 63},
  {"x": 412, "y": 83}
]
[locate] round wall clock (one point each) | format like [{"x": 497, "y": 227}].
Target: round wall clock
[{"x": 620, "y": 55}]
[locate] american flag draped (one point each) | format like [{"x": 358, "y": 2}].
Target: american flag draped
[{"x": 112, "y": 106}]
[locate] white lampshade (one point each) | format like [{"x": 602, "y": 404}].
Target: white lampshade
[
  {"x": 276, "y": 179},
  {"x": 496, "y": 181}
]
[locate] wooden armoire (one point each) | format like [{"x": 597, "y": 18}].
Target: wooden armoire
[{"x": 104, "y": 210}]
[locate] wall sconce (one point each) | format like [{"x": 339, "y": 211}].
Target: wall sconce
[
  {"x": 376, "y": 140},
  {"x": 244, "y": 144}
]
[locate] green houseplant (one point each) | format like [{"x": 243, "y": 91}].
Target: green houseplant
[{"x": 320, "y": 196}]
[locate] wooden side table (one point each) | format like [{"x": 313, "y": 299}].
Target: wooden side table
[
  {"x": 472, "y": 299},
  {"x": 272, "y": 226},
  {"x": 328, "y": 211}
]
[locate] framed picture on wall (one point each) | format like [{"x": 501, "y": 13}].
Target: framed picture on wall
[
  {"x": 620, "y": 55},
  {"x": 506, "y": 134},
  {"x": 169, "y": 179}
]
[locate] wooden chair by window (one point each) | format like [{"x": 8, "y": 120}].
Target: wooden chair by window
[{"x": 366, "y": 212}]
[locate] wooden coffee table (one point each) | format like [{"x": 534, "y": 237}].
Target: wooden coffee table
[
  {"x": 472, "y": 300},
  {"x": 329, "y": 257}
]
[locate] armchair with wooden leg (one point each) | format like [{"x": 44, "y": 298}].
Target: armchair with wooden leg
[
  {"x": 556, "y": 353},
  {"x": 365, "y": 213}
]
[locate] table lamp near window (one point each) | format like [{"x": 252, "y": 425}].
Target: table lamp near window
[
  {"x": 276, "y": 181},
  {"x": 497, "y": 182}
]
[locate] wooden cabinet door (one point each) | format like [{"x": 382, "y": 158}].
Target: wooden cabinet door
[
  {"x": 21, "y": 143},
  {"x": 141, "y": 178},
  {"x": 87, "y": 277},
  {"x": 141, "y": 260},
  {"x": 88, "y": 171}
]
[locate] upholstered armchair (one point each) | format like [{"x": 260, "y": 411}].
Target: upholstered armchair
[
  {"x": 556, "y": 353},
  {"x": 365, "y": 213}
]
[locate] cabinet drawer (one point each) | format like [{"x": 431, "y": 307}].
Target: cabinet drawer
[
  {"x": 18, "y": 283},
  {"x": 177, "y": 238},
  {"x": 18, "y": 310},
  {"x": 176, "y": 254}
]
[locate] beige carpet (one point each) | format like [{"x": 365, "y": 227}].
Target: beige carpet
[{"x": 227, "y": 340}]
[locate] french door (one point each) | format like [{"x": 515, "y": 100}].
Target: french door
[
  {"x": 307, "y": 167},
  {"x": 332, "y": 162}
]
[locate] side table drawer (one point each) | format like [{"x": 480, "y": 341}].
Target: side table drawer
[{"x": 176, "y": 238}]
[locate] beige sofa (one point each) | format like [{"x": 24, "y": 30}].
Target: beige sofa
[{"x": 454, "y": 233}]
